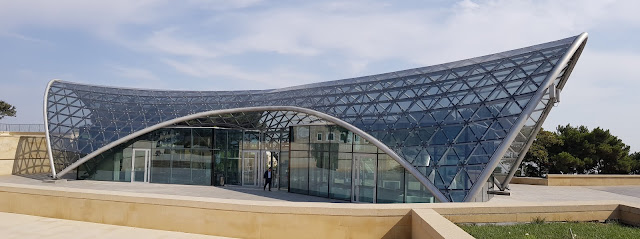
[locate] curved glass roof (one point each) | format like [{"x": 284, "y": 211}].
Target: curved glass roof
[{"x": 446, "y": 120}]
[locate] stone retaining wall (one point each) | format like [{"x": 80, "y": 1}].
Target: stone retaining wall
[
  {"x": 580, "y": 180},
  {"x": 23, "y": 153},
  {"x": 263, "y": 219}
]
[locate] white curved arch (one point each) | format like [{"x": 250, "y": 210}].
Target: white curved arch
[
  {"x": 517, "y": 126},
  {"x": 423, "y": 179},
  {"x": 560, "y": 86},
  {"x": 46, "y": 127}
]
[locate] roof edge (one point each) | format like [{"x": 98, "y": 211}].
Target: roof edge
[
  {"x": 517, "y": 126},
  {"x": 367, "y": 78},
  {"x": 45, "y": 108}
]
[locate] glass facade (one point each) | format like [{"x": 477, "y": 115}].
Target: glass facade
[
  {"x": 347, "y": 167},
  {"x": 172, "y": 155},
  {"x": 446, "y": 125},
  {"x": 198, "y": 156},
  {"x": 343, "y": 166}
]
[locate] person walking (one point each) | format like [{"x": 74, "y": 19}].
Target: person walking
[{"x": 267, "y": 179}]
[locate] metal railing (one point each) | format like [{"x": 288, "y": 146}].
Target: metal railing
[{"x": 21, "y": 127}]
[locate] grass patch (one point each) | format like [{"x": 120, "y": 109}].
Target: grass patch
[{"x": 554, "y": 230}]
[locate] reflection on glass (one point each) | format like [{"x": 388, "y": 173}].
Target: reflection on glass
[
  {"x": 390, "y": 180},
  {"x": 140, "y": 161},
  {"x": 299, "y": 175},
  {"x": 126, "y": 165},
  {"x": 340, "y": 183},
  {"x": 361, "y": 145},
  {"x": 300, "y": 138},
  {"x": 364, "y": 180},
  {"x": 107, "y": 167},
  {"x": 201, "y": 167},
  {"x": 181, "y": 166},
  {"x": 202, "y": 138},
  {"x": 416, "y": 192},
  {"x": 161, "y": 166},
  {"x": 251, "y": 140},
  {"x": 249, "y": 173},
  {"x": 319, "y": 173},
  {"x": 220, "y": 151},
  {"x": 338, "y": 165},
  {"x": 232, "y": 162},
  {"x": 284, "y": 170}
]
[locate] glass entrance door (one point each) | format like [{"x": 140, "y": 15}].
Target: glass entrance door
[
  {"x": 364, "y": 178},
  {"x": 270, "y": 161},
  {"x": 254, "y": 164},
  {"x": 140, "y": 165},
  {"x": 249, "y": 170}
]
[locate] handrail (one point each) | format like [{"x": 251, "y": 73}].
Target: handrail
[{"x": 22, "y": 128}]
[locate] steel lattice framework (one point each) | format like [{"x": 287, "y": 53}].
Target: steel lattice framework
[{"x": 452, "y": 125}]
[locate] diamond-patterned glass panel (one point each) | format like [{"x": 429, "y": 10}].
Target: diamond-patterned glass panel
[{"x": 446, "y": 120}]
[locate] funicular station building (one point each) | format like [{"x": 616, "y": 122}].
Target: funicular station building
[{"x": 453, "y": 132}]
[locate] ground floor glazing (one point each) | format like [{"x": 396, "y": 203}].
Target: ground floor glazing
[{"x": 319, "y": 160}]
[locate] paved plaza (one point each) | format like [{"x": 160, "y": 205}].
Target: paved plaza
[
  {"x": 226, "y": 192},
  {"x": 26, "y": 226},
  {"x": 519, "y": 192},
  {"x": 538, "y": 193}
]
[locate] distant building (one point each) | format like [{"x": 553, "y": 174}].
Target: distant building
[{"x": 443, "y": 133}]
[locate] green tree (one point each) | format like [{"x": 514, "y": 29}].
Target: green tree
[
  {"x": 611, "y": 154},
  {"x": 595, "y": 151},
  {"x": 6, "y": 109},
  {"x": 579, "y": 150},
  {"x": 536, "y": 161},
  {"x": 635, "y": 162},
  {"x": 575, "y": 143},
  {"x": 566, "y": 163}
]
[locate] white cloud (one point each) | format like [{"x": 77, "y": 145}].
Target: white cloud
[
  {"x": 201, "y": 39},
  {"x": 217, "y": 72},
  {"x": 135, "y": 73},
  {"x": 602, "y": 93},
  {"x": 468, "y": 4},
  {"x": 25, "y": 38},
  {"x": 364, "y": 29},
  {"x": 105, "y": 19},
  {"x": 219, "y": 5},
  {"x": 166, "y": 41},
  {"x": 76, "y": 13},
  {"x": 420, "y": 36},
  {"x": 357, "y": 33}
]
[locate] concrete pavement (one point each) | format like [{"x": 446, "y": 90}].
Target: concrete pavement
[
  {"x": 519, "y": 192},
  {"x": 227, "y": 192},
  {"x": 26, "y": 226},
  {"x": 539, "y": 193}
]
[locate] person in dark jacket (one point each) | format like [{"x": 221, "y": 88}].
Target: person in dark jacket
[{"x": 267, "y": 179}]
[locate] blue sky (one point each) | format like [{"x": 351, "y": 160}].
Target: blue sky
[{"x": 253, "y": 44}]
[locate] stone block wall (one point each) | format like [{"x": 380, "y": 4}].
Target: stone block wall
[{"x": 23, "y": 153}]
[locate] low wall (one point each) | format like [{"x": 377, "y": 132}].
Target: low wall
[
  {"x": 23, "y": 153},
  {"x": 580, "y": 180},
  {"x": 592, "y": 180},
  {"x": 221, "y": 217},
  {"x": 630, "y": 214},
  {"x": 261, "y": 219},
  {"x": 529, "y": 180},
  {"x": 427, "y": 223}
]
